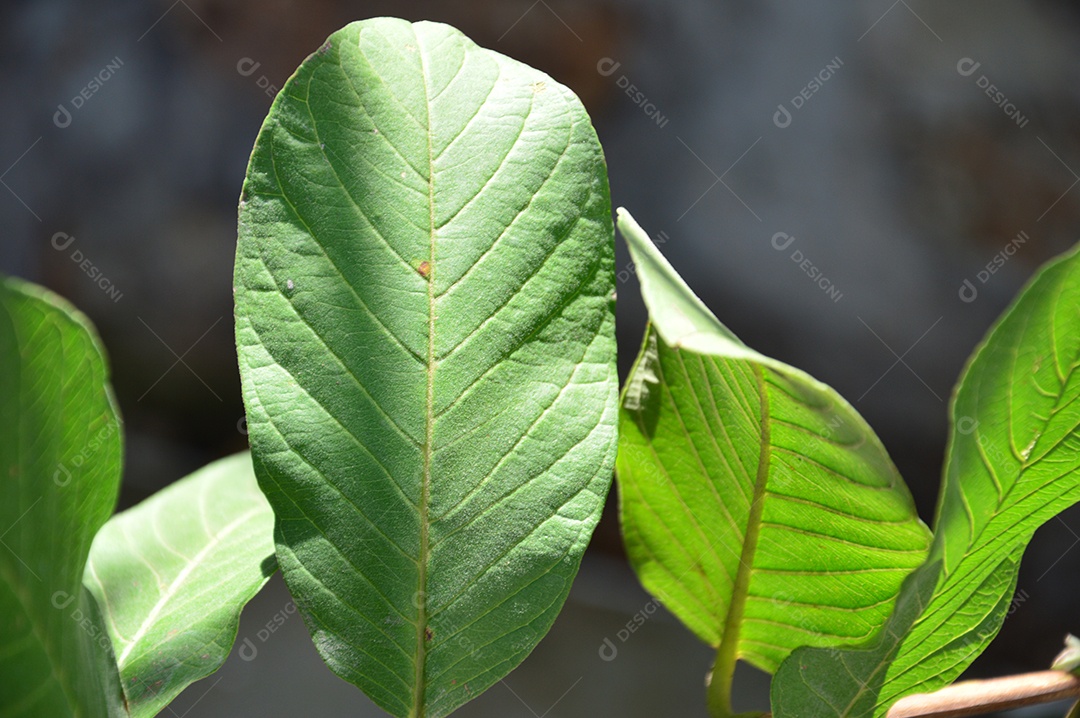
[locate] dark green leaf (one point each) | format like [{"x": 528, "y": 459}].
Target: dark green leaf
[{"x": 426, "y": 334}]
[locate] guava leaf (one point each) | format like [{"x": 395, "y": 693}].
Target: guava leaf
[
  {"x": 756, "y": 503},
  {"x": 171, "y": 575},
  {"x": 1013, "y": 463},
  {"x": 425, "y": 324},
  {"x": 60, "y": 459}
]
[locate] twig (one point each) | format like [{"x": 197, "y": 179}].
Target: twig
[{"x": 980, "y": 697}]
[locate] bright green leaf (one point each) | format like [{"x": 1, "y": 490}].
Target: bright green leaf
[
  {"x": 60, "y": 460},
  {"x": 757, "y": 505},
  {"x": 171, "y": 575},
  {"x": 1013, "y": 463},
  {"x": 425, "y": 326}
]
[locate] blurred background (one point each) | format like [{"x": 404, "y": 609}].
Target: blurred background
[{"x": 855, "y": 188}]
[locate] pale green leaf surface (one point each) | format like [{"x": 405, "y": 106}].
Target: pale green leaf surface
[
  {"x": 757, "y": 505},
  {"x": 425, "y": 326},
  {"x": 60, "y": 459},
  {"x": 1013, "y": 463},
  {"x": 172, "y": 574}
]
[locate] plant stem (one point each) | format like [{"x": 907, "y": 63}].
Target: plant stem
[
  {"x": 718, "y": 690},
  {"x": 979, "y": 697}
]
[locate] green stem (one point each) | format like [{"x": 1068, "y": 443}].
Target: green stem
[{"x": 718, "y": 691}]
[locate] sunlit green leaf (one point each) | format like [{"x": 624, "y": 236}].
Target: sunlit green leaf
[
  {"x": 425, "y": 325},
  {"x": 171, "y": 575},
  {"x": 1013, "y": 463},
  {"x": 60, "y": 461},
  {"x": 757, "y": 505}
]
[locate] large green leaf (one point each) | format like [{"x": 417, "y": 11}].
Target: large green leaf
[
  {"x": 757, "y": 505},
  {"x": 425, "y": 325},
  {"x": 60, "y": 461},
  {"x": 171, "y": 575},
  {"x": 1013, "y": 463}
]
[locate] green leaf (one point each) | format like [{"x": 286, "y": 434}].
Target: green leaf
[
  {"x": 1013, "y": 463},
  {"x": 756, "y": 503},
  {"x": 171, "y": 575},
  {"x": 60, "y": 459},
  {"x": 425, "y": 323}
]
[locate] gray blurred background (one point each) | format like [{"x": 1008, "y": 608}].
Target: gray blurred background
[{"x": 855, "y": 188}]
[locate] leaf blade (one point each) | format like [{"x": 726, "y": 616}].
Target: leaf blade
[
  {"x": 1001, "y": 481},
  {"x": 172, "y": 574},
  {"x": 786, "y": 496},
  {"x": 443, "y": 223},
  {"x": 60, "y": 456}
]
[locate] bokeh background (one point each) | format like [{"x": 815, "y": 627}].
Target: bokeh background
[{"x": 856, "y": 188}]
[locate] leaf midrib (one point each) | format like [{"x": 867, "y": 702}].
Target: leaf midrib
[
  {"x": 420, "y": 689},
  {"x": 728, "y": 652},
  {"x": 174, "y": 586}
]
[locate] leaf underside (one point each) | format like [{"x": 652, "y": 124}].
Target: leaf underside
[
  {"x": 1013, "y": 463},
  {"x": 757, "y": 505},
  {"x": 426, "y": 335},
  {"x": 172, "y": 574},
  {"x": 60, "y": 459}
]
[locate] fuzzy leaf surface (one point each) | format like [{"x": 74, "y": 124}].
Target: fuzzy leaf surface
[{"x": 425, "y": 325}]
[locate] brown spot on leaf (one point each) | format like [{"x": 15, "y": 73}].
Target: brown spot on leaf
[{"x": 424, "y": 269}]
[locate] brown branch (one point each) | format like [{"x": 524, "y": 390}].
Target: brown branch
[{"x": 979, "y": 697}]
